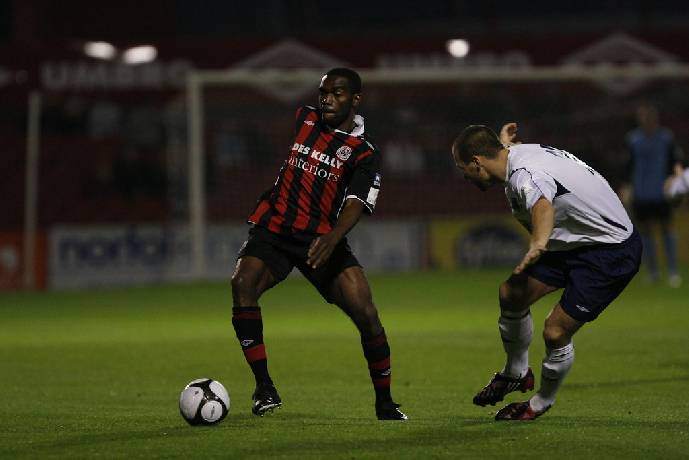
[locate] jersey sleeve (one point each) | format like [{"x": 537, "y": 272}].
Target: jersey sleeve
[
  {"x": 679, "y": 185},
  {"x": 529, "y": 186},
  {"x": 365, "y": 183}
]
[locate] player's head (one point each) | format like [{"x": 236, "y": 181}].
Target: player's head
[
  {"x": 647, "y": 116},
  {"x": 471, "y": 148},
  {"x": 340, "y": 95}
]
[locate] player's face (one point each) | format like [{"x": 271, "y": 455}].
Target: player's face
[
  {"x": 475, "y": 173},
  {"x": 336, "y": 101},
  {"x": 647, "y": 117}
]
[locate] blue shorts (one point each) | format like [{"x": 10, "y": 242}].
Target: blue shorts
[{"x": 592, "y": 276}]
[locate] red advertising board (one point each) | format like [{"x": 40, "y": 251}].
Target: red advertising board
[{"x": 12, "y": 261}]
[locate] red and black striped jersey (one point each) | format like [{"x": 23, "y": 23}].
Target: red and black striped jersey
[{"x": 323, "y": 169}]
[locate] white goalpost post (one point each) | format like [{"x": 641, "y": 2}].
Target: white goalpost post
[
  {"x": 198, "y": 80},
  {"x": 196, "y": 174}
]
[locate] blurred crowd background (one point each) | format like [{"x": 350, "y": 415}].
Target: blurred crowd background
[{"x": 113, "y": 131}]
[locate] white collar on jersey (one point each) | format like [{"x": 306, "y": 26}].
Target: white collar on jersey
[{"x": 358, "y": 127}]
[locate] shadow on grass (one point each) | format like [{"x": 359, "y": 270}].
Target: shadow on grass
[
  {"x": 69, "y": 442},
  {"x": 286, "y": 433},
  {"x": 628, "y": 382},
  {"x": 451, "y": 437},
  {"x": 306, "y": 434},
  {"x": 457, "y": 437}
]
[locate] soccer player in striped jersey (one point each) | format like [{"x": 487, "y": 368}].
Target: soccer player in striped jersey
[
  {"x": 330, "y": 178},
  {"x": 582, "y": 240}
]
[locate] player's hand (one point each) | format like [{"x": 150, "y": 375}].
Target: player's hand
[
  {"x": 508, "y": 134},
  {"x": 534, "y": 253},
  {"x": 320, "y": 250}
]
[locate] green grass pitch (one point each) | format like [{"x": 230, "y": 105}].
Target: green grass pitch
[{"x": 98, "y": 374}]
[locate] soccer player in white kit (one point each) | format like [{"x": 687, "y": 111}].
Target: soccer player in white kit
[{"x": 582, "y": 241}]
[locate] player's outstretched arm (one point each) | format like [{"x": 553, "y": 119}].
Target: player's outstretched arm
[
  {"x": 323, "y": 246},
  {"x": 508, "y": 134},
  {"x": 542, "y": 221}
]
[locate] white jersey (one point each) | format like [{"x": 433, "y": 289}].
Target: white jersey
[
  {"x": 679, "y": 185},
  {"x": 587, "y": 210}
]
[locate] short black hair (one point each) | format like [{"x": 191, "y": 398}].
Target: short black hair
[
  {"x": 352, "y": 77},
  {"x": 476, "y": 140}
]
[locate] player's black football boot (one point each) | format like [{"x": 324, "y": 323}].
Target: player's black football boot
[
  {"x": 500, "y": 385},
  {"x": 389, "y": 411},
  {"x": 266, "y": 398},
  {"x": 519, "y": 411}
]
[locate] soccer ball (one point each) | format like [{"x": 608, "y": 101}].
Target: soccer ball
[{"x": 204, "y": 402}]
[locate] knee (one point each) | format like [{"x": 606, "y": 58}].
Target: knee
[
  {"x": 369, "y": 322},
  {"x": 363, "y": 312},
  {"x": 509, "y": 297},
  {"x": 243, "y": 285},
  {"x": 365, "y": 308},
  {"x": 555, "y": 337},
  {"x": 237, "y": 281},
  {"x": 504, "y": 294}
]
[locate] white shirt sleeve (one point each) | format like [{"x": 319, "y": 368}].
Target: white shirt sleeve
[
  {"x": 529, "y": 186},
  {"x": 679, "y": 185}
]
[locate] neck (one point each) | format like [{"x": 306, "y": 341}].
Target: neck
[
  {"x": 347, "y": 125},
  {"x": 497, "y": 167},
  {"x": 650, "y": 129}
]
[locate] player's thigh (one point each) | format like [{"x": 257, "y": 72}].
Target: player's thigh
[
  {"x": 598, "y": 275},
  {"x": 350, "y": 289},
  {"x": 261, "y": 263},
  {"x": 251, "y": 274},
  {"x": 522, "y": 290},
  {"x": 352, "y": 294},
  {"x": 340, "y": 277}
]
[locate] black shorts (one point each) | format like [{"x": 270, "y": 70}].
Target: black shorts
[
  {"x": 281, "y": 254},
  {"x": 652, "y": 210},
  {"x": 593, "y": 276}
]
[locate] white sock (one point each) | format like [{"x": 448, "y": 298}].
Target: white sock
[
  {"x": 516, "y": 330},
  {"x": 556, "y": 365}
]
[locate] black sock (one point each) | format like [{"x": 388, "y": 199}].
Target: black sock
[
  {"x": 377, "y": 353},
  {"x": 248, "y": 326}
]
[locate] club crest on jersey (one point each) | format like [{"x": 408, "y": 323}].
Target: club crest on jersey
[{"x": 344, "y": 152}]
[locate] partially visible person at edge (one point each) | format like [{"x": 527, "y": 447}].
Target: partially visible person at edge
[
  {"x": 582, "y": 241},
  {"x": 677, "y": 186},
  {"x": 330, "y": 178},
  {"x": 654, "y": 157}
]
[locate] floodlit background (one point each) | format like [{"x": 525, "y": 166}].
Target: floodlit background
[{"x": 137, "y": 136}]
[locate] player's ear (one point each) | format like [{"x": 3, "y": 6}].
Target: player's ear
[
  {"x": 356, "y": 100},
  {"x": 476, "y": 161}
]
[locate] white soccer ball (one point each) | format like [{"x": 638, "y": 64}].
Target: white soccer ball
[{"x": 204, "y": 402}]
